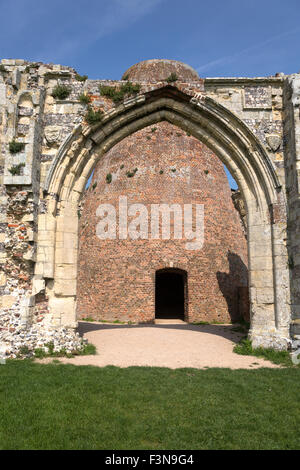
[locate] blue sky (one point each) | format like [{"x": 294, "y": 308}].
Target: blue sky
[{"x": 102, "y": 38}]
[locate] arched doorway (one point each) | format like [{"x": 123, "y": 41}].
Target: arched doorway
[
  {"x": 238, "y": 148},
  {"x": 170, "y": 294}
]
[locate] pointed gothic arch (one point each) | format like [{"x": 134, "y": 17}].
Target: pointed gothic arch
[{"x": 230, "y": 139}]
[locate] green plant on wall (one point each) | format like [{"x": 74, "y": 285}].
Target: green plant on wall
[
  {"x": 108, "y": 178},
  {"x": 16, "y": 169},
  {"x": 81, "y": 78},
  {"x": 172, "y": 78},
  {"x": 130, "y": 174},
  {"x": 92, "y": 117},
  {"x": 61, "y": 92},
  {"x": 16, "y": 147},
  {"x": 129, "y": 89},
  {"x": 35, "y": 65},
  {"x": 84, "y": 99},
  {"x": 118, "y": 94},
  {"x": 107, "y": 91}
]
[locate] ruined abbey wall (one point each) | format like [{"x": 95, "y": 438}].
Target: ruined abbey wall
[{"x": 253, "y": 125}]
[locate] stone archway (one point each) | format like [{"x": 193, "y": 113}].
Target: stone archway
[{"x": 232, "y": 141}]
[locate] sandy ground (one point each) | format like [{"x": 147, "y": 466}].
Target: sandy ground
[{"x": 174, "y": 345}]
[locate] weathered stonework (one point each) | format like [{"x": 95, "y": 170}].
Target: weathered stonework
[{"x": 251, "y": 124}]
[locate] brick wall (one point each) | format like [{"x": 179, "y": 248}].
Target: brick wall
[{"x": 116, "y": 279}]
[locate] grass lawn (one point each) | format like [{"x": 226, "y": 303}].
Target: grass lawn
[{"x": 59, "y": 406}]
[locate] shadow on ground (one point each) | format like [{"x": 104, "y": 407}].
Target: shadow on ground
[{"x": 226, "y": 331}]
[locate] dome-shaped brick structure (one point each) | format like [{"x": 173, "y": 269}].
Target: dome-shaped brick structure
[{"x": 158, "y": 70}]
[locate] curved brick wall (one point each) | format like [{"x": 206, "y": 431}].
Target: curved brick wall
[{"x": 116, "y": 279}]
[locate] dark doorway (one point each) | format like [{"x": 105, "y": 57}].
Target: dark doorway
[{"x": 170, "y": 294}]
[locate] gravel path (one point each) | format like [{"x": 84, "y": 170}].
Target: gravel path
[{"x": 174, "y": 345}]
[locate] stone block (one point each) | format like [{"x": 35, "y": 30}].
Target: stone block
[
  {"x": 38, "y": 286},
  {"x": 63, "y": 309},
  {"x": 65, "y": 287},
  {"x": 7, "y": 301},
  {"x": 265, "y": 295},
  {"x": 66, "y": 271},
  {"x": 261, "y": 278},
  {"x": 2, "y": 279}
]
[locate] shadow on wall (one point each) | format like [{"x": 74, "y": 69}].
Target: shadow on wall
[{"x": 234, "y": 287}]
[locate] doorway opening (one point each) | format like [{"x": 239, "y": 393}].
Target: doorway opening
[{"x": 170, "y": 294}]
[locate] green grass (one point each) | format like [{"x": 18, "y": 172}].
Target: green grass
[
  {"x": 58, "y": 406},
  {"x": 244, "y": 347}
]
